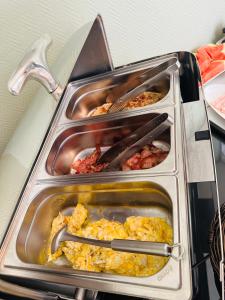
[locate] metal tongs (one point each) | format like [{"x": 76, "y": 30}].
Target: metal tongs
[
  {"x": 140, "y": 83},
  {"x": 142, "y": 136},
  {"x": 131, "y": 246}
]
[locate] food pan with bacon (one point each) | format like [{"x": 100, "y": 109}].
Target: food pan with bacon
[{"x": 114, "y": 146}]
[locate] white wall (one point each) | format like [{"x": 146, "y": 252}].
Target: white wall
[{"x": 136, "y": 29}]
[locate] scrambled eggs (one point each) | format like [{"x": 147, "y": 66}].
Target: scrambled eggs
[{"x": 98, "y": 259}]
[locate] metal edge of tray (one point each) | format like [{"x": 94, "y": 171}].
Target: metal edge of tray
[
  {"x": 162, "y": 280},
  {"x": 61, "y": 117},
  {"x": 168, "y": 166}
]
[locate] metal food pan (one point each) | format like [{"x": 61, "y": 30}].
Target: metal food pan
[
  {"x": 83, "y": 96},
  {"x": 75, "y": 142},
  {"x": 86, "y": 98},
  {"x": 151, "y": 196},
  {"x": 113, "y": 202}
]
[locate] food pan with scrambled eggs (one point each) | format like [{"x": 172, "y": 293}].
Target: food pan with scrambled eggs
[{"x": 98, "y": 259}]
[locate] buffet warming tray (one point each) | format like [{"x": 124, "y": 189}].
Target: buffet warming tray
[{"x": 160, "y": 191}]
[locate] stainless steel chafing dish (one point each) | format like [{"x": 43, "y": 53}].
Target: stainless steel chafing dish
[{"x": 160, "y": 191}]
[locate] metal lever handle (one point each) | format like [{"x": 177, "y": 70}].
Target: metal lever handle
[{"x": 34, "y": 65}]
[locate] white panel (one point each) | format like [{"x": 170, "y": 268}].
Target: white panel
[{"x": 136, "y": 29}]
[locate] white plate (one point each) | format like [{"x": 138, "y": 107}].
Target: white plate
[{"x": 215, "y": 89}]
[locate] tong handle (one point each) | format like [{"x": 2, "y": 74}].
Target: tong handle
[
  {"x": 34, "y": 66},
  {"x": 113, "y": 152},
  {"x": 146, "y": 139},
  {"x": 137, "y": 79},
  {"x": 149, "y": 77},
  {"x": 132, "y": 81}
]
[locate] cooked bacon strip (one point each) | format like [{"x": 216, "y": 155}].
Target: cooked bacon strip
[
  {"x": 88, "y": 164},
  {"x": 153, "y": 160},
  {"x": 149, "y": 157}
]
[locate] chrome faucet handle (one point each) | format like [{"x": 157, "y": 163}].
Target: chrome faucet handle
[{"x": 34, "y": 66}]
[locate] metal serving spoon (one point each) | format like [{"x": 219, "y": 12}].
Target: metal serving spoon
[{"x": 133, "y": 246}]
